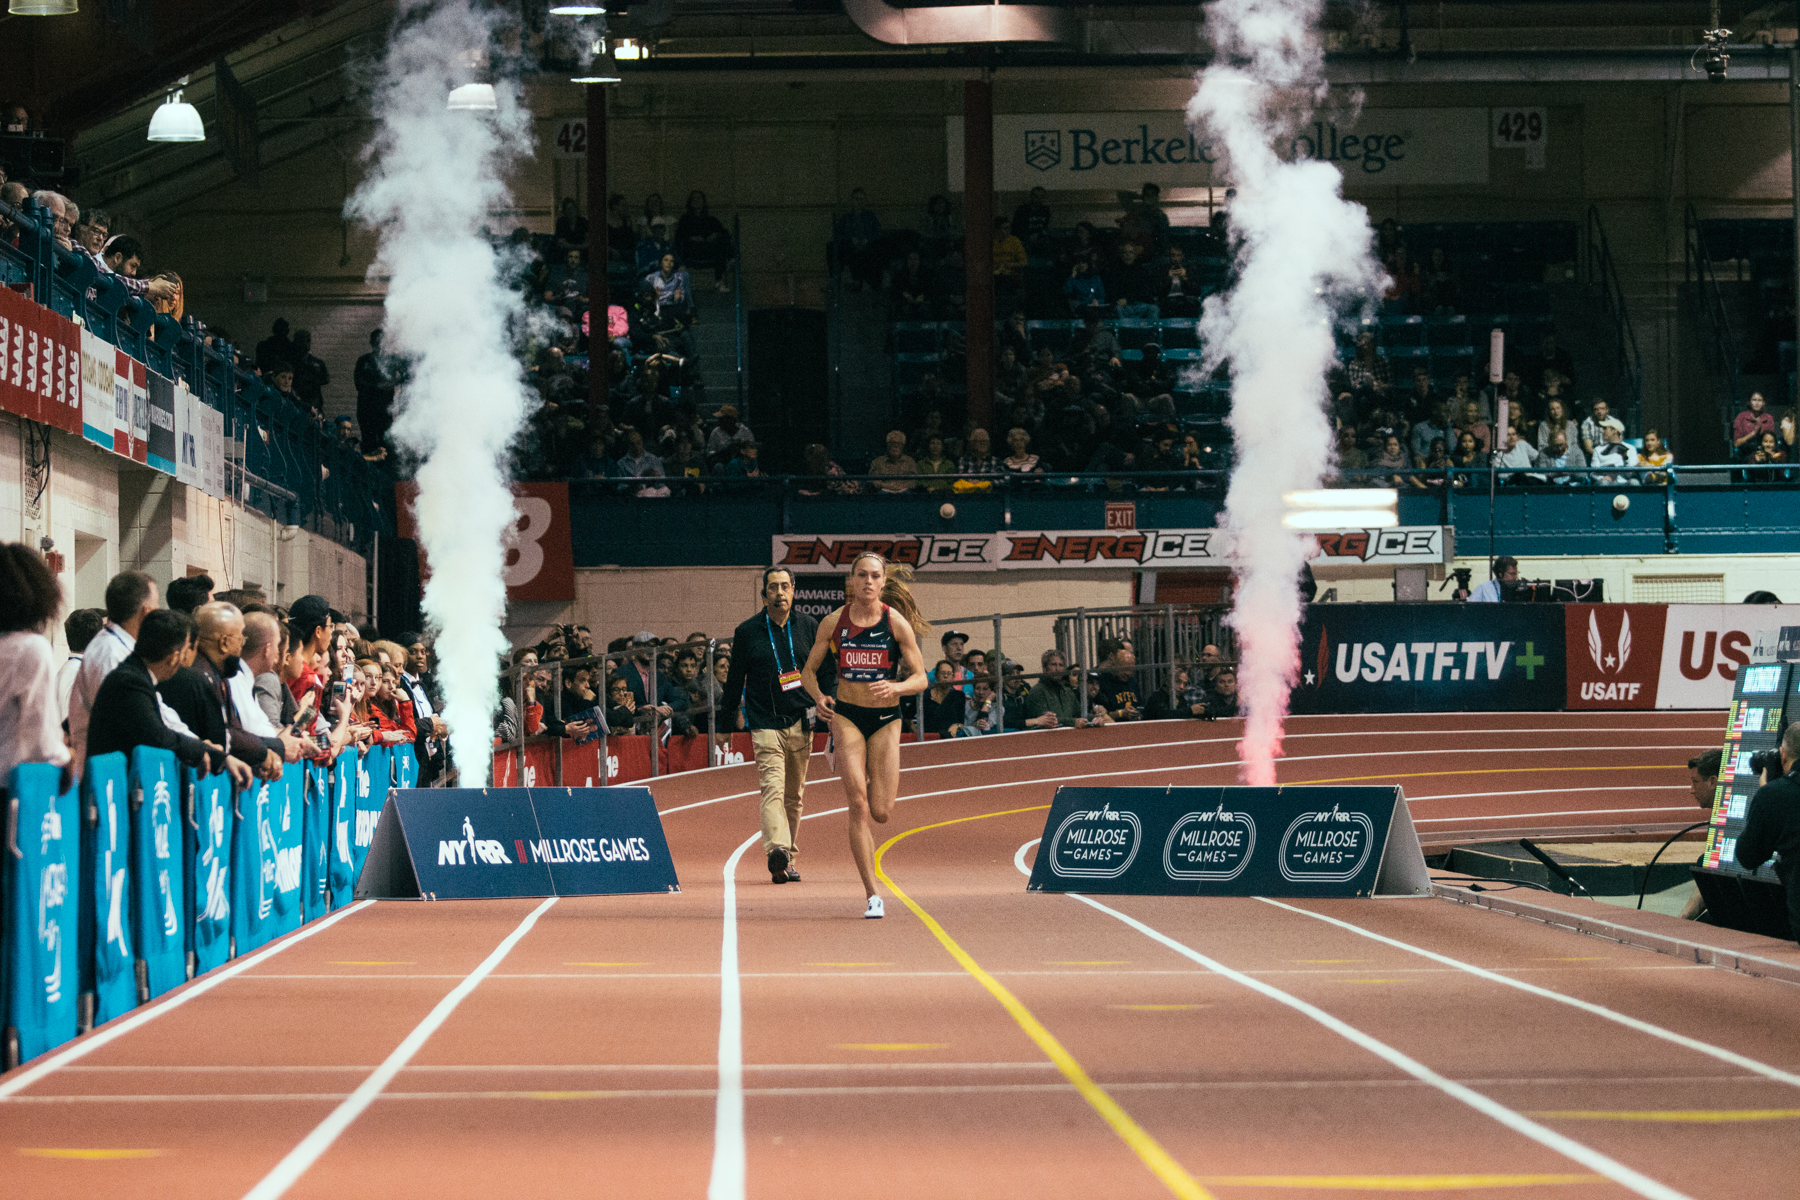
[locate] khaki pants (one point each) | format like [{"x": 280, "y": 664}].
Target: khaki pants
[{"x": 781, "y": 756}]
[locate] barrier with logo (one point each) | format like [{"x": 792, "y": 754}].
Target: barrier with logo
[
  {"x": 444, "y": 844},
  {"x": 156, "y": 872},
  {"x": 208, "y": 831},
  {"x": 1430, "y": 658},
  {"x": 1230, "y": 841},
  {"x": 372, "y": 783},
  {"x": 108, "y": 969},
  {"x": 40, "y": 881},
  {"x": 1672, "y": 656},
  {"x": 253, "y": 848},
  {"x": 287, "y": 820},
  {"x": 316, "y": 859},
  {"x": 341, "y": 872}
]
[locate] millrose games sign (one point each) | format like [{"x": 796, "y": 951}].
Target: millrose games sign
[
  {"x": 454, "y": 843},
  {"x": 1230, "y": 841},
  {"x": 1389, "y": 147},
  {"x": 1067, "y": 549}
]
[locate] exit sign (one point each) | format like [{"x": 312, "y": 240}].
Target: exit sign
[{"x": 1121, "y": 514}]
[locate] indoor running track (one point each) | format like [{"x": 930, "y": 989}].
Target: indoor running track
[{"x": 741, "y": 1039}]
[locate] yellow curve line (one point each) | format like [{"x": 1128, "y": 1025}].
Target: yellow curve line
[
  {"x": 1399, "y": 1183},
  {"x": 1161, "y": 1163}
]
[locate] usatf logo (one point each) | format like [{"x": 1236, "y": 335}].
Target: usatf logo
[
  {"x": 1043, "y": 148},
  {"x": 1605, "y": 663}
]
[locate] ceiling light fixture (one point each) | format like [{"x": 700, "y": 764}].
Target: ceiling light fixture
[
  {"x": 577, "y": 10},
  {"x": 630, "y": 49},
  {"x": 42, "y": 8},
  {"x": 175, "y": 120},
  {"x": 472, "y": 97}
]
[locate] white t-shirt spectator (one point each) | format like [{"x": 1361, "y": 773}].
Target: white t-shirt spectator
[
  {"x": 30, "y": 726},
  {"x": 720, "y": 442},
  {"x": 1615, "y": 454}
]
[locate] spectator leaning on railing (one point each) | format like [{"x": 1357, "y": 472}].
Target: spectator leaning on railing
[
  {"x": 128, "y": 713},
  {"x": 130, "y": 597},
  {"x": 30, "y": 721}
]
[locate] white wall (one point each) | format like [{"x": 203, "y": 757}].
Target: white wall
[{"x": 1648, "y": 579}]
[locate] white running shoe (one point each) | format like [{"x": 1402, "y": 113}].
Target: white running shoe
[{"x": 874, "y": 911}]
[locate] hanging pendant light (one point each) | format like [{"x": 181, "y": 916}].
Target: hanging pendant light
[
  {"x": 603, "y": 69},
  {"x": 576, "y": 10},
  {"x": 42, "y": 8},
  {"x": 473, "y": 97},
  {"x": 176, "y": 120}
]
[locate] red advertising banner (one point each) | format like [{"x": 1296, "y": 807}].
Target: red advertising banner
[
  {"x": 1614, "y": 654},
  {"x": 540, "y": 552},
  {"x": 60, "y": 378},
  {"x": 19, "y": 355}
]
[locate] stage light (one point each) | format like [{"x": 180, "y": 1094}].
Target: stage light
[
  {"x": 42, "y": 8},
  {"x": 473, "y": 97}
]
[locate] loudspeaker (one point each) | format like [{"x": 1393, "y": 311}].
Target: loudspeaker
[{"x": 789, "y": 383}]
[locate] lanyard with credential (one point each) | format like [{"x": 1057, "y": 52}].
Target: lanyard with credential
[{"x": 790, "y": 679}]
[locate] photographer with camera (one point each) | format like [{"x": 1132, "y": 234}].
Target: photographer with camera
[{"x": 1773, "y": 825}]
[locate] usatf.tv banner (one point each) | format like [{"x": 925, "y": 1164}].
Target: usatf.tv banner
[{"x": 1086, "y": 549}]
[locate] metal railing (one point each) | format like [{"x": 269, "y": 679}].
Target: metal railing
[
  {"x": 280, "y": 459},
  {"x": 1719, "y": 340},
  {"x": 1604, "y": 276}
]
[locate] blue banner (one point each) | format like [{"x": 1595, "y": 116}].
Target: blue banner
[
  {"x": 253, "y": 848},
  {"x": 156, "y": 875},
  {"x": 209, "y": 869},
  {"x": 38, "y": 953},
  {"x": 341, "y": 876},
  {"x": 1230, "y": 841},
  {"x": 1431, "y": 658},
  {"x": 106, "y": 924},
  {"x": 316, "y": 861},
  {"x": 406, "y": 767},
  {"x": 287, "y": 820},
  {"x": 374, "y": 776},
  {"x": 466, "y": 842}
]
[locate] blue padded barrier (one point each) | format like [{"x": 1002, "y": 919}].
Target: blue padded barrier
[
  {"x": 157, "y": 897},
  {"x": 40, "y": 884}
]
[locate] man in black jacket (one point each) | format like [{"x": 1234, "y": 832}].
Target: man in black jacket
[
  {"x": 767, "y": 652},
  {"x": 1773, "y": 827},
  {"x": 126, "y": 714},
  {"x": 200, "y": 698}
]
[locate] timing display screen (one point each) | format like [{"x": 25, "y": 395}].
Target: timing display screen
[{"x": 1760, "y": 681}]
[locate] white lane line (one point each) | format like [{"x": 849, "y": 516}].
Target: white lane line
[
  {"x": 1019, "y": 856},
  {"x": 1561, "y": 791},
  {"x": 288, "y": 1171},
  {"x": 1568, "y": 1147},
  {"x": 82, "y": 1047},
  {"x": 1362, "y": 735},
  {"x": 1599, "y": 1010},
  {"x": 727, "y": 1181}
]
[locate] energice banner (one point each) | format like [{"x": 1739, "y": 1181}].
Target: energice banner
[{"x": 1086, "y": 549}]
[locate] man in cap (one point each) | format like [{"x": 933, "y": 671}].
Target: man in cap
[
  {"x": 956, "y": 647},
  {"x": 729, "y": 430},
  {"x": 310, "y": 620}
]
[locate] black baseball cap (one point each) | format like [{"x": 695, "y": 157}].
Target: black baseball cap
[
  {"x": 308, "y": 613},
  {"x": 952, "y": 633}
]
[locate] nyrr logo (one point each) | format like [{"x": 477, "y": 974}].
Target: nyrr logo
[
  {"x": 470, "y": 849},
  {"x": 1043, "y": 148}
]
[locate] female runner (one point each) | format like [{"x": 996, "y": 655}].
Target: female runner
[{"x": 870, "y": 637}]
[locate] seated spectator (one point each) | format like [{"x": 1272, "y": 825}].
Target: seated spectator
[
  {"x": 1771, "y": 451},
  {"x": 1392, "y": 457},
  {"x": 1117, "y": 682},
  {"x": 1009, "y": 258},
  {"x": 637, "y": 462},
  {"x": 1083, "y": 288},
  {"x": 940, "y": 228},
  {"x": 978, "y": 458},
  {"x": 674, "y": 293},
  {"x": 1404, "y": 284},
  {"x": 936, "y": 462},
  {"x": 913, "y": 292},
  {"x": 1189, "y": 702},
  {"x": 1749, "y": 425},
  {"x": 346, "y": 433},
  {"x": 1178, "y": 289},
  {"x": 1051, "y": 384},
  {"x": 13, "y": 194},
  {"x": 1130, "y": 286},
  {"x": 63, "y": 214},
  {"x": 1655, "y": 454},
  {"x": 1222, "y": 698},
  {"x": 1440, "y": 291},
  {"x": 1518, "y": 455},
  {"x": 1367, "y": 374},
  {"x": 1014, "y": 336},
  {"x": 1615, "y": 451},
  {"x": 310, "y": 375},
  {"x": 1021, "y": 461},
  {"x": 1350, "y": 455},
  {"x": 1031, "y": 221},
  {"x": 1467, "y": 457},
  {"x": 1436, "y": 464},
  {"x": 818, "y": 465},
  {"x": 895, "y": 462},
  {"x": 1439, "y": 427},
  {"x": 1149, "y": 381},
  {"x": 702, "y": 240},
  {"x": 1054, "y": 696},
  {"x": 1011, "y": 381},
  {"x": 1469, "y": 421},
  {"x": 728, "y": 432},
  {"x": 982, "y": 710},
  {"x": 1593, "y": 429},
  {"x": 91, "y": 234},
  {"x": 122, "y": 257},
  {"x": 744, "y": 465},
  {"x": 1556, "y": 419},
  {"x": 282, "y": 380},
  {"x": 1421, "y": 401},
  {"x": 1513, "y": 391},
  {"x": 945, "y": 707},
  {"x": 1550, "y": 357},
  {"x": 1462, "y": 390},
  {"x": 566, "y": 284}
]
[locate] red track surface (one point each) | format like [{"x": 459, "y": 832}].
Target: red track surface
[{"x": 875, "y": 1065}]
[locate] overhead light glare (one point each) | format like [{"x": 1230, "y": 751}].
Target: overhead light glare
[
  {"x": 577, "y": 10},
  {"x": 629, "y": 49},
  {"x": 1341, "y": 498},
  {"x": 42, "y": 8},
  {"x": 175, "y": 120},
  {"x": 473, "y": 97}
]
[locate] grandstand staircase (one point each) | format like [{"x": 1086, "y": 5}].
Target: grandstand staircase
[
  {"x": 714, "y": 339},
  {"x": 862, "y": 374}
]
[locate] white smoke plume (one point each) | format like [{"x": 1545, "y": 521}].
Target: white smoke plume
[
  {"x": 1301, "y": 250},
  {"x": 433, "y": 177}
]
